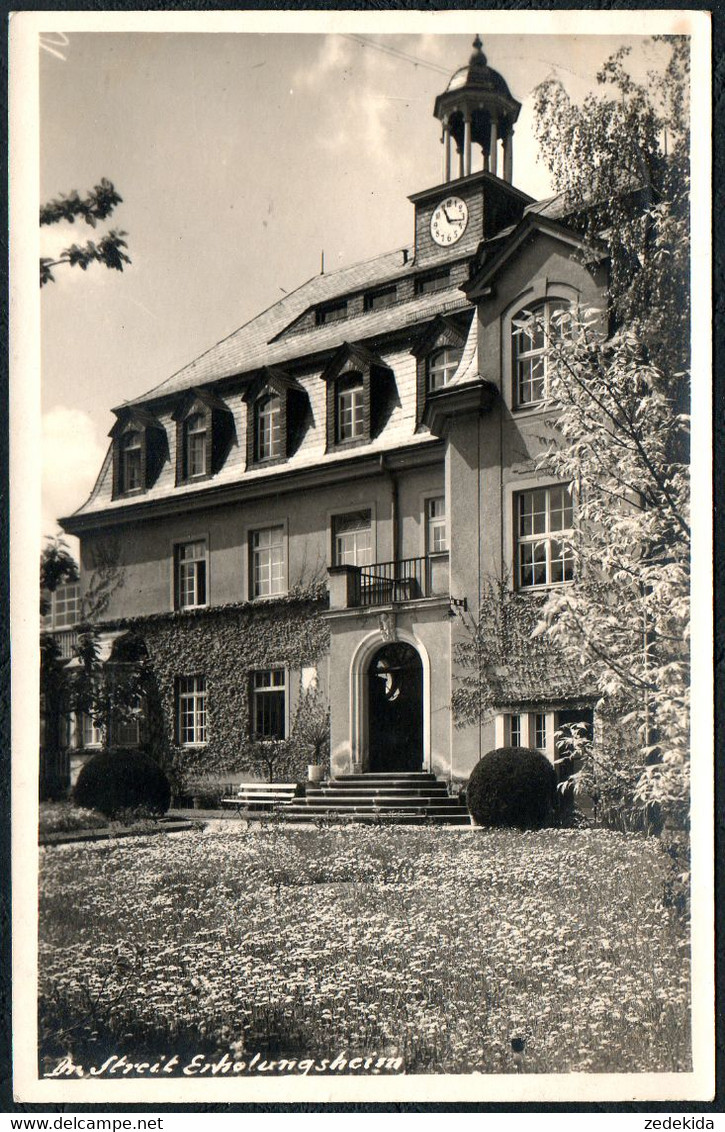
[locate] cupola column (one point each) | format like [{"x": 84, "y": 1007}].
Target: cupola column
[
  {"x": 446, "y": 150},
  {"x": 467, "y": 144},
  {"x": 494, "y": 149},
  {"x": 508, "y": 156}
]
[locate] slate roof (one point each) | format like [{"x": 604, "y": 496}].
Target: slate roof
[{"x": 257, "y": 343}]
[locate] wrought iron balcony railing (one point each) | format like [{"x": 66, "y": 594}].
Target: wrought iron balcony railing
[{"x": 383, "y": 583}]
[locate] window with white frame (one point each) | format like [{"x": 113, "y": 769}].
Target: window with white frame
[
  {"x": 269, "y": 704},
  {"x": 544, "y": 519},
  {"x": 65, "y": 607},
  {"x": 535, "y": 330},
  {"x": 515, "y": 737},
  {"x": 540, "y": 731},
  {"x": 191, "y": 574},
  {"x": 267, "y": 562},
  {"x": 131, "y": 461},
  {"x": 91, "y": 731},
  {"x": 126, "y": 728},
  {"x": 350, "y": 408},
  {"x": 352, "y": 539},
  {"x": 442, "y": 365},
  {"x": 268, "y": 428},
  {"x": 436, "y": 541},
  {"x": 196, "y": 440},
  {"x": 191, "y": 710}
]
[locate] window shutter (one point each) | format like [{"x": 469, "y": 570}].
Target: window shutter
[{"x": 180, "y": 454}]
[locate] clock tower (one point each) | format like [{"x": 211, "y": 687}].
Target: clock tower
[{"x": 477, "y": 113}]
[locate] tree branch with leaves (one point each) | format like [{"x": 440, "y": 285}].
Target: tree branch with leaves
[{"x": 97, "y": 205}]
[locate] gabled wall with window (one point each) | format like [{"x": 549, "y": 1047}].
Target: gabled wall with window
[
  {"x": 140, "y": 447},
  {"x": 204, "y": 432},
  {"x": 277, "y": 408}
]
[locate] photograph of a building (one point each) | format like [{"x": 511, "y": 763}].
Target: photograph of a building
[
  {"x": 371, "y": 468},
  {"x": 361, "y": 454}
]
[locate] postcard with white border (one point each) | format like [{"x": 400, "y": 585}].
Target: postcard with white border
[{"x": 353, "y": 423}]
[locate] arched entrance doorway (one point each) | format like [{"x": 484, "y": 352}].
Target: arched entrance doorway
[{"x": 395, "y": 709}]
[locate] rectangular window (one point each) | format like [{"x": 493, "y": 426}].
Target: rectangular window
[
  {"x": 126, "y": 730},
  {"x": 65, "y": 605},
  {"x": 267, "y": 561},
  {"x": 544, "y": 519},
  {"x": 540, "y": 731},
  {"x": 191, "y": 574},
  {"x": 91, "y": 731},
  {"x": 435, "y": 517},
  {"x": 378, "y": 300},
  {"x": 269, "y": 429},
  {"x": 131, "y": 461},
  {"x": 434, "y": 281},
  {"x": 515, "y": 731},
  {"x": 352, "y": 539},
  {"x": 332, "y": 313},
  {"x": 268, "y": 709},
  {"x": 191, "y": 710},
  {"x": 350, "y": 412}
]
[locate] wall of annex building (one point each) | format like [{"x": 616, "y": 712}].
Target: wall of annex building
[{"x": 137, "y": 558}]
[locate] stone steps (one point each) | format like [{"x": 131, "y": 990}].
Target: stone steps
[{"x": 415, "y": 798}]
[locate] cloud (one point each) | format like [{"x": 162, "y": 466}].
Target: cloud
[{"x": 72, "y": 458}]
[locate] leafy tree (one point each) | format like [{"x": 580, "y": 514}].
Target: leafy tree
[
  {"x": 99, "y": 204},
  {"x": 57, "y": 565},
  {"x": 618, "y": 395}
]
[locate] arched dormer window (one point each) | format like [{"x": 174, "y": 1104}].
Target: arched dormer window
[
  {"x": 139, "y": 450},
  {"x": 195, "y": 446},
  {"x": 534, "y": 330},
  {"x": 441, "y": 365},
  {"x": 349, "y": 408},
  {"x": 437, "y": 353},
  {"x": 277, "y": 411},
  {"x": 204, "y": 433},
  {"x": 131, "y": 462},
  {"x": 360, "y": 391},
  {"x": 268, "y": 428}
]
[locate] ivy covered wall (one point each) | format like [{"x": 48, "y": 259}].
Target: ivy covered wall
[{"x": 225, "y": 644}]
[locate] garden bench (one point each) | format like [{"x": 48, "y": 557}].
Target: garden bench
[{"x": 261, "y": 796}]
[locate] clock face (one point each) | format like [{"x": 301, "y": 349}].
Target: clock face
[{"x": 448, "y": 222}]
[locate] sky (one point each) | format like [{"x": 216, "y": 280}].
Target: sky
[{"x": 240, "y": 158}]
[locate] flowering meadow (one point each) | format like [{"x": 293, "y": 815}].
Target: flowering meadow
[{"x": 436, "y": 946}]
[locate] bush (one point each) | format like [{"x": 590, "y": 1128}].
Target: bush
[
  {"x": 113, "y": 781},
  {"x": 513, "y": 786}
]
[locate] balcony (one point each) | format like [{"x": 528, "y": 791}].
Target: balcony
[{"x": 387, "y": 583}]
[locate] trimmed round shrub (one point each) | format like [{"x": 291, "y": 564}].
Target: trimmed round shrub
[
  {"x": 113, "y": 781},
  {"x": 513, "y": 786}
]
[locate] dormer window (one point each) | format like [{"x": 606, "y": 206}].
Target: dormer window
[
  {"x": 139, "y": 450},
  {"x": 433, "y": 281},
  {"x": 442, "y": 364},
  {"x": 195, "y": 443},
  {"x": 277, "y": 409},
  {"x": 204, "y": 431},
  {"x": 350, "y": 424},
  {"x": 438, "y": 355},
  {"x": 380, "y": 299},
  {"x": 268, "y": 428},
  {"x": 333, "y": 312},
  {"x": 131, "y": 462},
  {"x": 359, "y": 396}
]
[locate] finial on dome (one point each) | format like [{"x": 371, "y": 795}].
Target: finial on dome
[{"x": 479, "y": 58}]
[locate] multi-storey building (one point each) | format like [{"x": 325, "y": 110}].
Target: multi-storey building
[{"x": 326, "y": 495}]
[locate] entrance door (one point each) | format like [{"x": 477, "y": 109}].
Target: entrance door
[{"x": 395, "y": 709}]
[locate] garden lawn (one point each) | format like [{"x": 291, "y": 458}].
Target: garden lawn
[{"x": 433, "y": 945}]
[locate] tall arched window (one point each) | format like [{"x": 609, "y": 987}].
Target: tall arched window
[
  {"x": 534, "y": 330},
  {"x": 268, "y": 428},
  {"x": 195, "y": 442},
  {"x": 442, "y": 364}
]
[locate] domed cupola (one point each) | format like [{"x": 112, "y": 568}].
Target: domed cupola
[{"x": 477, "y": 108}]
